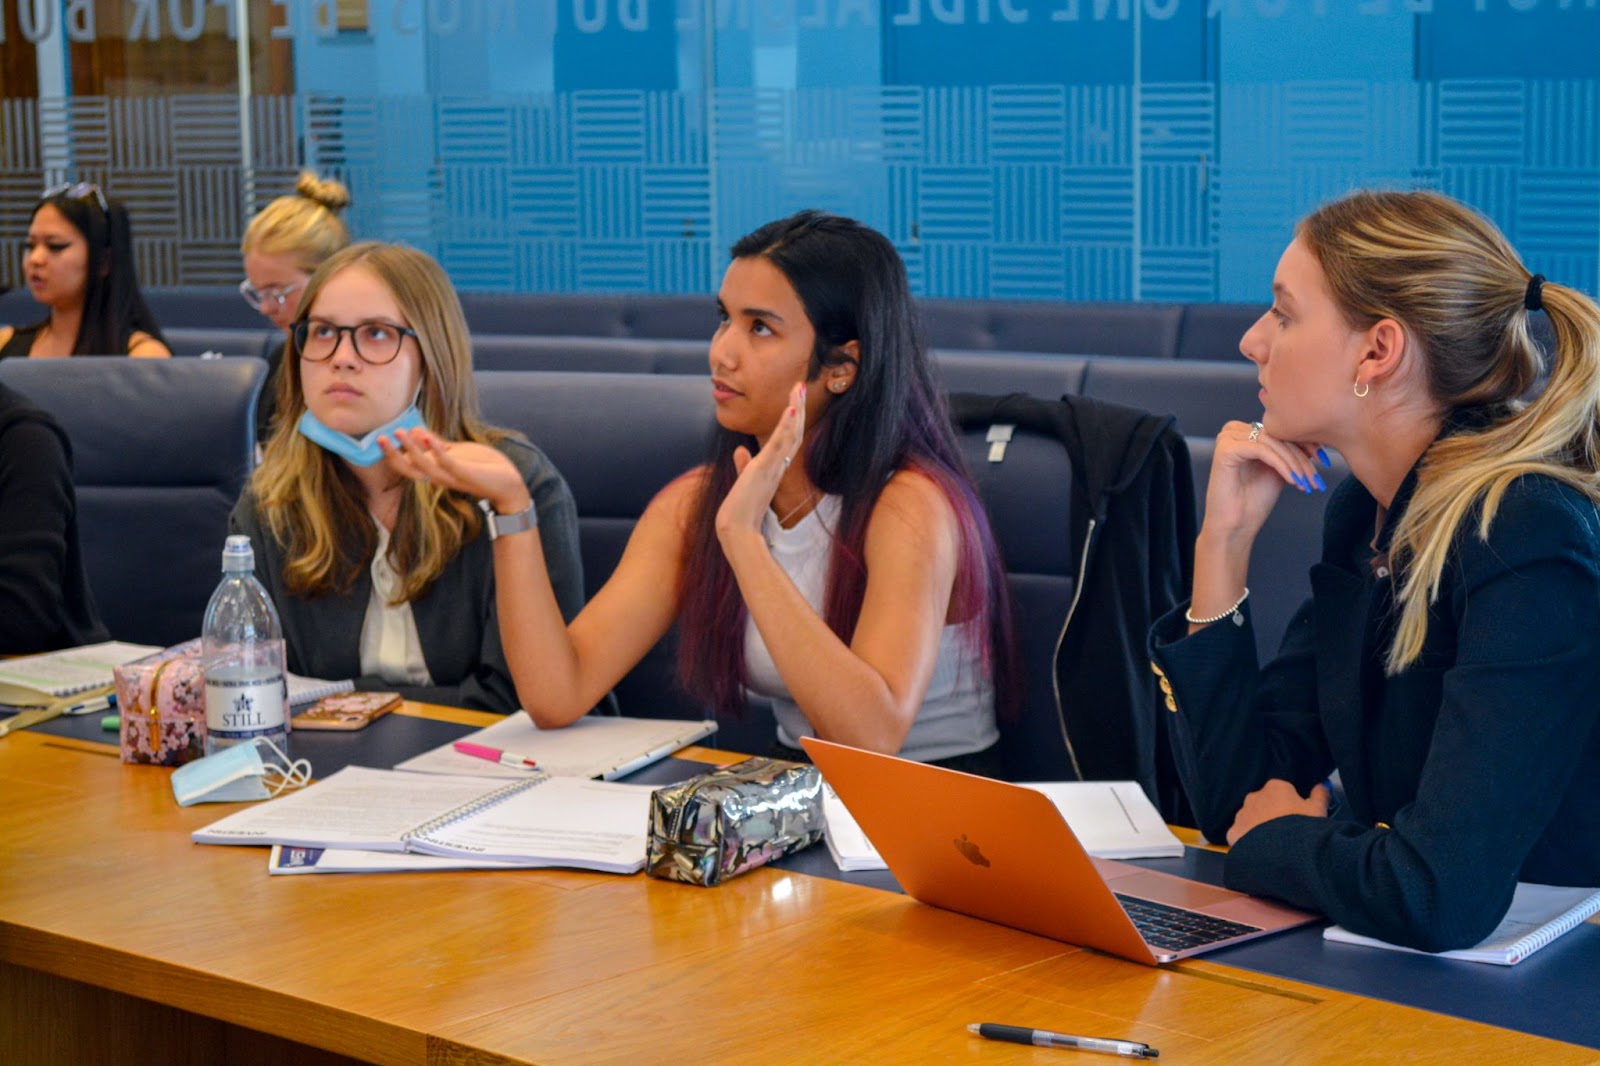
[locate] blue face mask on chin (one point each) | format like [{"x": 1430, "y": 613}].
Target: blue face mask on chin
[{"x": 363, "y": 451}]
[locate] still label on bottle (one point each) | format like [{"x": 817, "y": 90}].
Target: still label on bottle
[{"x": 239, "y": 708}]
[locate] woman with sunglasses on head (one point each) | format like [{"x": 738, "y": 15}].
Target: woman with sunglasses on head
[
  {"x": 283, "y": 245},
  {"x": 832, "y": 555},
  {"x": 1448, "y": 661},
  {"x": 375, "y": 577},
  {"x": 78, "y": 262}
]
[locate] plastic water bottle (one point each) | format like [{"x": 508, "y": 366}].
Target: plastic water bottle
[{"x": 247, "y": 694}]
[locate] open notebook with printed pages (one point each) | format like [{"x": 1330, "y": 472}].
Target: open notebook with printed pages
[
  {"x": 593, "y": 746},
  {"x": 538, "y": 821},
  {"x": 1004, "y": 853},
  {"x": 66, "y": 672},
  {"x": 37, "y": 678},
  {"x": 1538, "y": 915},
  {"x": 1112, "y": 819}
]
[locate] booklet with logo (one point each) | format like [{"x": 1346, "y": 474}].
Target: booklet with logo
[
  {"x": 539, "y": 820},
  {"x": 1538, "y": 914},
  {"x": 1113, "y": 819}
]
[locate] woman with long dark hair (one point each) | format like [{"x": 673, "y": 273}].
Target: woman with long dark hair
[
  {"x": 78, "y": 262},
  {"x": 831, "y": 555}
]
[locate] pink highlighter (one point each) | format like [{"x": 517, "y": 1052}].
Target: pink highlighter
[{"x": 504, "y": 758}]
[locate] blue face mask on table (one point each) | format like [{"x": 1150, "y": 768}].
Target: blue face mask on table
[
  {"x": 238, "y": 773},
  {"x": 363, "y": 451}
]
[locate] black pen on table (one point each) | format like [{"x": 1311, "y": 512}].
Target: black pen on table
[{"x": 1015, "y": 1034}]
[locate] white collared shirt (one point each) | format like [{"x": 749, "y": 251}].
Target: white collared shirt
[{"x": 390, "y": 646}]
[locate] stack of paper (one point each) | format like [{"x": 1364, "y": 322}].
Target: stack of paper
[{"x": 1113, "y": 819}]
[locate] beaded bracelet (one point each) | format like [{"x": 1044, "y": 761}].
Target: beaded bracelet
[{"x": 1238, "y": 619}]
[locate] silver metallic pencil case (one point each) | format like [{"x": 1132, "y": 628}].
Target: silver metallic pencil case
[{"x": 720, "y": 824}]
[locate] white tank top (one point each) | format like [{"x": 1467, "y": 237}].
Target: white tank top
[{"x": 957, "y": 714}]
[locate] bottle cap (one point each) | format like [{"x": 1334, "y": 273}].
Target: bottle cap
[{"x": 238, "y": 556}]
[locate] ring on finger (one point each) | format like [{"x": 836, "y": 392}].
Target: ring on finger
[{"x": 1255, "y": 431}]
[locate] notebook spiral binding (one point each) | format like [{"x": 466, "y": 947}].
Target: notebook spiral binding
[{"x": 467, "y": 810}]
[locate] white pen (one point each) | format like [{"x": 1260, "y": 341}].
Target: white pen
[{"x": 1014, "y": 1034}]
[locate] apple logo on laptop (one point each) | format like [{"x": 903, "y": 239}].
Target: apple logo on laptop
[{"x": 970, "y": 851}]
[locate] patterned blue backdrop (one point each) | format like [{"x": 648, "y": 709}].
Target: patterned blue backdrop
[{"x": 1100, "y": 157}]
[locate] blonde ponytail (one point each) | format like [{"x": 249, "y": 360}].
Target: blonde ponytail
[{"x": 1446, "y": 274}]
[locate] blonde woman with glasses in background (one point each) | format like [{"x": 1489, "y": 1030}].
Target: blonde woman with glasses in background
[
  {"x": 283, "y": 246},
  {"x": 376, "y": 577},
  {"x": 78, "y": 262},
  {"x": 1448, "y": 661}
]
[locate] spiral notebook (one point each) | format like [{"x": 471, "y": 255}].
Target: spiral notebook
[
  {"x": 539, "y": 820},
  {"x": 593, "y": 746},
  {"x": 71, "y": 670},
  {"x": 1538, "y": 914}
]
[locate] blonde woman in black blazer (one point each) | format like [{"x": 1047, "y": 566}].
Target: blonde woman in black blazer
[{"x": 1448, "y": 662}]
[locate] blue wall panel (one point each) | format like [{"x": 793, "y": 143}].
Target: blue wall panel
[{"x": 1030, "y": 149}]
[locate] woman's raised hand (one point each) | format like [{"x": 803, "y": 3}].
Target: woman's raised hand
[
  {"x": 472, "y": 469},
  {"x": 1249, "y": 469},
  {"x": 750, "y": 497}
]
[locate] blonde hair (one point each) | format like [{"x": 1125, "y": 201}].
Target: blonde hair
[
  {"x": 310, "y": 500},
  {"x": 1449, "y": 277},
  {"x": 304, "y": 225}
]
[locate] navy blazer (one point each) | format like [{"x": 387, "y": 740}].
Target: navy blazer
[{"x": 1475, "y": 767}]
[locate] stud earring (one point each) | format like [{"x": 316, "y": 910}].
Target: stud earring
[{"x": 836, "y": 386}]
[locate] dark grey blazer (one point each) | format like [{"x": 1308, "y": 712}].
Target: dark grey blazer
[
  {"x": 1475, "y": 767},
  {"x": 456, "y": 619}
]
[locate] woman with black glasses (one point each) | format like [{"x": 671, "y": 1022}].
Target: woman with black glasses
[
  {"x": 78, "y": 262},
  {"x": 376, "y": 577},
  {"x": 283, "y": 245}
]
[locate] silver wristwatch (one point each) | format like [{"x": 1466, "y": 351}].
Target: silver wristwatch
[{"x": 504, "y": 525}]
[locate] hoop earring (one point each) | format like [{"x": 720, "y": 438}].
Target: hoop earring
[{"x": 1361, "y": 388}]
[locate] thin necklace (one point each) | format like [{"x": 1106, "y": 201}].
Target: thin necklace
[{"x": 783, "y": 521}]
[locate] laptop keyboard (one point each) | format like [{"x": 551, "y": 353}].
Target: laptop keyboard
[{"x": 1175, "y": 929}]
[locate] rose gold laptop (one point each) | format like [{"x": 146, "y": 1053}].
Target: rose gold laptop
[{"x": 1002, "y": 852}]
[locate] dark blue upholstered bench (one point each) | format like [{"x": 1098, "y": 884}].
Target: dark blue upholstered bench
[{"x": 161, "y": 449}]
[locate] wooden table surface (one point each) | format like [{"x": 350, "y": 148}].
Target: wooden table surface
[{"x": 121, "y": 941}]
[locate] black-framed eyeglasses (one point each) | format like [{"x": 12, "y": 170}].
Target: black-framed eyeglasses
[
  {"x": 374, "y": 342},
  {"x": 261, "y": 298},
  {"x": 77, "y": 190}
]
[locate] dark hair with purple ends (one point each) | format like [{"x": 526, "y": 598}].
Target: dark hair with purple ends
[
  {"x": 853, "y": 286},
  {"x": 113, "y": 307}
]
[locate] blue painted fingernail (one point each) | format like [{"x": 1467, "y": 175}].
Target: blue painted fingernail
[
  {"x": 1323, "y": 455},
  {"x": 1322, "y": 486},
  {"x": 1298, "y": 480}
]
